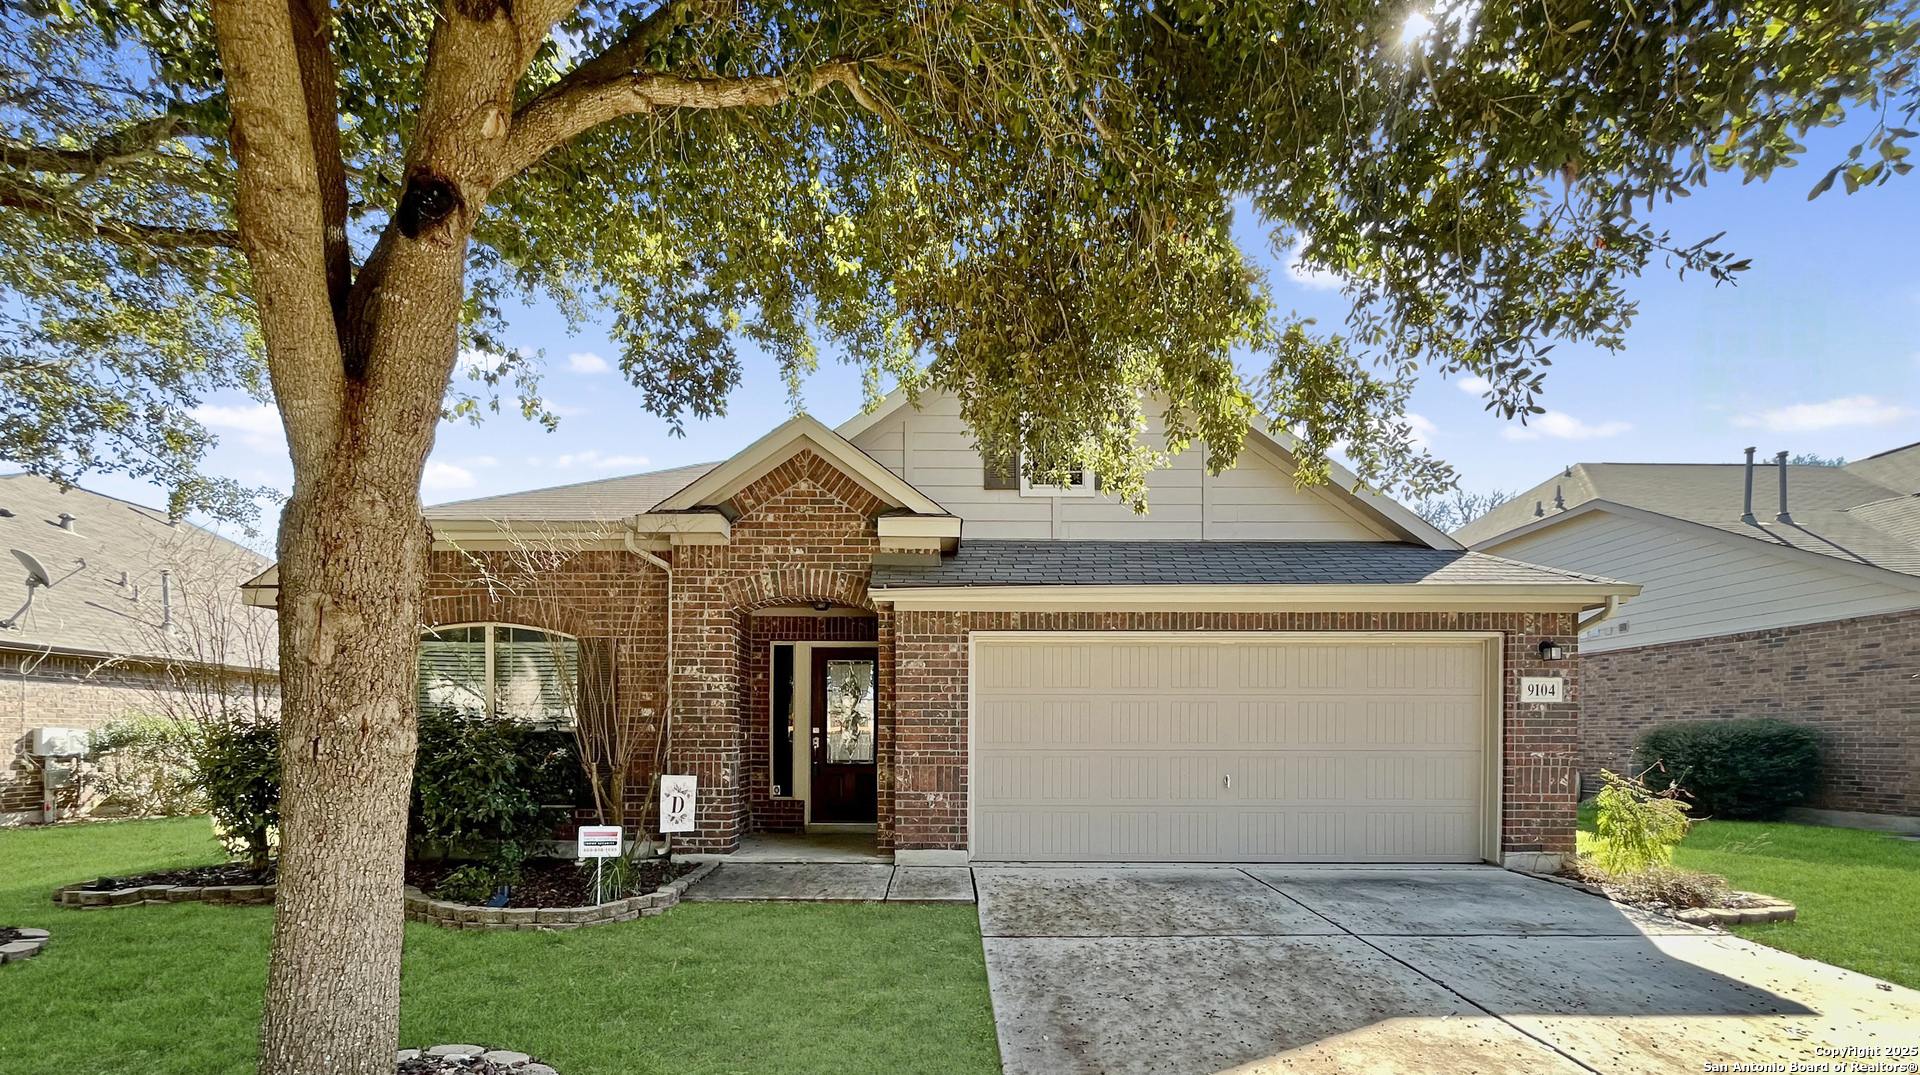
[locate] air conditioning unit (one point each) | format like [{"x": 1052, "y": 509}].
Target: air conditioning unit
[{"x": 57, "y": 742}]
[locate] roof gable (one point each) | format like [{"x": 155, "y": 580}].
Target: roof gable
[
  {"x": 801, "y": 433},
  {"x": 1264, "y": 458}
]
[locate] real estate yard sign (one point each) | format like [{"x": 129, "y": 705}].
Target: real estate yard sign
[
  {"x": 599, "y": 841},
  {"x": 676, "y": 803}
]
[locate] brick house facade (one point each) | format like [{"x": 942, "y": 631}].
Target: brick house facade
[
  {"x": 1852, "y": 680},
  {"x": 786, "y": 546},
  {"x": 1787, "y": 591}
]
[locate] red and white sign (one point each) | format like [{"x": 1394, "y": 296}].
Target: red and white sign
[{"x": 599, "y": 841}]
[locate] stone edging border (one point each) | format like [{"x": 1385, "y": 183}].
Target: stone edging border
[
  {"x": 448, "y": 915},
  {"x": 29, "y": 945},
  {"x": 518, "y": 1063},
  {"x": 1770, "y": 909},
  {"x": 77, "y": 895}
]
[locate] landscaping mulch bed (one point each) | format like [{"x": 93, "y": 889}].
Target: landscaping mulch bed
[
  {"x": 226, "y": 873},
  {"x": 9, "y": 934},
  {"x": 551, "y": 882}
]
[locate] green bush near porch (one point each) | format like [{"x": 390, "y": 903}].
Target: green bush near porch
[
  {"x": 1858, "y": 892},
  {"x": 705, "y": 988}
]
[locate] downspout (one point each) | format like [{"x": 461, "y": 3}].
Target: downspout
[
  {"x": 1583, "y": 626},
  {"x": 644, "y": 845}
]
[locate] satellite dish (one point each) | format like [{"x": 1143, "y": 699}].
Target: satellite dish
[{"x": 36, "y": 574}]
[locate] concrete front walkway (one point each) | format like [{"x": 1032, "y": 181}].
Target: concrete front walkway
[
  {"x": 833, "y": 882},
  {"x": 1262, "y": 969}
]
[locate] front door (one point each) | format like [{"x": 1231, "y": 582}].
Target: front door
[{"x": 845, "y": 720}]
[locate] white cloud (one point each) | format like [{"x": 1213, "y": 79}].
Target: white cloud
[
  {"x": 258, "y": 418},
  {"x": 592, "y": 459},
  {"x": 476, "y": 360},
  {"x": 1563, "y": 427},
  {"x": 1423, "y": 430},
  {"x": 1833, "y": 414},
  {"x": 1307, "y": 275},
  {"x": 446, "y": 476},
  {"x": 587, "y": 363},
  {"x": 1474, "y": 385},
  {"x": 258, "y": 427}
]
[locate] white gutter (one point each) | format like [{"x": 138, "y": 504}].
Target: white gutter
[{"x": 1581, "y": 627}]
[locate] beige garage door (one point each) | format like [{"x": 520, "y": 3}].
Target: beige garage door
[{"x": 1176, "y": 750}]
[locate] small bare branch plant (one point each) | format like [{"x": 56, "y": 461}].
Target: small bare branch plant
[{"x": 546, "y": 577}]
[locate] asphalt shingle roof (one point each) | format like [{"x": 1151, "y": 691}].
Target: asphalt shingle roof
[
  {"x": 606, "y": 500},
  {"x": 1864, "y": 512},
  {"x": 1175, "y": 563},
  {"x": 106, "y": 565}
]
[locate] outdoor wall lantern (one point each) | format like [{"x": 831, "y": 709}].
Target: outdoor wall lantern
[
  {"x": 822, "y": 606},
  {"x": 1550, "y": 650}
]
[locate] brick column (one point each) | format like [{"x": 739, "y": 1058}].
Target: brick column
[
  {"x": 1541, "y": 744},
  {"x": 929, "y": 731},
  {"x": 707, "y": 740}
]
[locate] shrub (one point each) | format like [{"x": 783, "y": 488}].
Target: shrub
[
  {"x": 142, "y": 766},
  {"x": 480, "y": 783},
  {"x": 237, "y": 766},
  {"x": 1637, "y": 828},
  {"x": 472, "y": 884},
  {"x": 1751, "y": 768}
]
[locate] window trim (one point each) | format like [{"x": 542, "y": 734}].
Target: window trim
[
  {"x": 490, "y": 644},
  {"x": 1084, "y": 488}
]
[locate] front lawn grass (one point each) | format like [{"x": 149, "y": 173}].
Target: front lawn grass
[
  {"x": 704, "y": 988},
  {"x": 1858, "y": 892}
]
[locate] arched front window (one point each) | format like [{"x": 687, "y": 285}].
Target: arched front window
[{"x": 519, "y": 673}]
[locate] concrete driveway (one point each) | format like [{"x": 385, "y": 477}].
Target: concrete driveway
[{"x": 1258, "y": 969}]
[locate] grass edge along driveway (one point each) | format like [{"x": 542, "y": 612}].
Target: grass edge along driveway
[
  {"x": 1857, "y": 892},
  {"x": 704, "y": 988}
]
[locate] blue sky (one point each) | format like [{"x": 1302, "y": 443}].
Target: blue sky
[{"x": 1816, "y": 350}]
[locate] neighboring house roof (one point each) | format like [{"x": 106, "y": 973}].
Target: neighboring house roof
[
  {"x": 603, "y": 501},
  {"x": 1220, "y": 563},
  {"x": 108, "y": 597},
  {"x": 1849, "y": 514}
]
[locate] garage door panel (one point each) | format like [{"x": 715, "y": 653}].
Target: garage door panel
[{"x": 1177, "y": 751}]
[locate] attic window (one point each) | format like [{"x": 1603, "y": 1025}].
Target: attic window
[
  {"x": 1078, "y": 486},
  {"x": 1003, "y": 472}
]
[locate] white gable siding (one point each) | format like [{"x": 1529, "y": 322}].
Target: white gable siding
[
  {"x": 932, "y": 449},
  {"x": 1697, "y": 586}
]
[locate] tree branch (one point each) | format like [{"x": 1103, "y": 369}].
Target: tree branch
[
  {"x": 312, "y": 33},
  {"x": 116, "y": 147},
  {"x": 553, "y": 118},
  {"x": 278, "y": 199},
  {"x": 15, "y": 194}
]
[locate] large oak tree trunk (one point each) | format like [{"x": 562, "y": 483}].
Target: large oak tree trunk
[{"x": 353, "y": 552}]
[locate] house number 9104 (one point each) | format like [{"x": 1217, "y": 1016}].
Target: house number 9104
[{"x": 1542, "y": 689}]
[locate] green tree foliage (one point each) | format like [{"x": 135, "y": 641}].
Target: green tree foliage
[
  {"x": 1027, "y": 203},
  {"x": 1637, "y": 828}
]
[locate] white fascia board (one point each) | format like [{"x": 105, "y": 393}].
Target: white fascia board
[
  {"x": 866, "y": 420},
  {"x": 920, "y": 526},
  {"x": 1343, "y": 483},
  {"x": 1423, "y": 597},
  {"x": 1687, "y": 526},
  {"x": 802, "y": 431}
]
